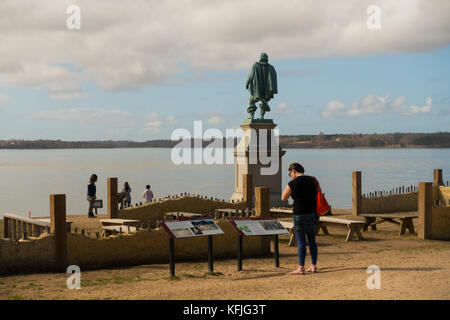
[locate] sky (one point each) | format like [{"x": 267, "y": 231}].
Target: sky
[{"x": 138, "y": 70}]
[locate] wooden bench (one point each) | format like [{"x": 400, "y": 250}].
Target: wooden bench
[
  {"x": 119, "y": 222},
  {"x": 109, "y": 230},
  {"x": 354, "y": 227},
  {"x": 406, "y": 220},
  {"x": 69, "y": 223}
]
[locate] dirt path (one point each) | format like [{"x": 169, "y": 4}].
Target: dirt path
[{"x": 410, "y": 269}]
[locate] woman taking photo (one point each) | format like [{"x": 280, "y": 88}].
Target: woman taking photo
[{"x": 303, "y": 190}]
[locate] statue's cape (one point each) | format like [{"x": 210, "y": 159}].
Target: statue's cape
[{"x": 262, "y": 81}]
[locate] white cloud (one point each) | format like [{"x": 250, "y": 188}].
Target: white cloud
[
  {"x": 126, "y": 46},
  {"x": 332, "y": 109},
  {"x": 283, "y": 109},
  {"x": 82, "y": 115},
  {"x": 373, "y": 104},
  {"x": 153, "y": 125},
  {"x": 216, "y": 120},
  {"x": 172, "y": 120}
]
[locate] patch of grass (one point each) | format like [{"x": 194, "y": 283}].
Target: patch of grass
[
  {"x": 174, "y": 278},
  {"x": 95, "y": 283},
  {"x": 31, "y": 285},
  {"x": 17, "y": 297},
  {"x": 214, "y": 273},
  {"x": 106, "y": 281}
]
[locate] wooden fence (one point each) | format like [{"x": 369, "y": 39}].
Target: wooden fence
[{"x": 17, "y": 227}]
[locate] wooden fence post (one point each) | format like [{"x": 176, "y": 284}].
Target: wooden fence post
[
  {"x": 58, "y": 227},
  {"x": 262, "y": 201},
  {"x": 437, "y": 177},
  {"x": 248, "y": 188},
  {"x": 356, "y": 192},
  {"x": 113, "y": 211},
  {"x": 425, "y": 209},
  {"x": 5, "y": 227}
]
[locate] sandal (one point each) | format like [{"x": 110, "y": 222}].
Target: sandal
[
  {"x": 298, "y": 271},
  {"x": 312, "y": 269}
]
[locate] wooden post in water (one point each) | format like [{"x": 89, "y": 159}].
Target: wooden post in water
[
  {"x": 425, "y": 209},
  {"x": 58, "y": 227},
  {"x": 113, "y": 211},
  {"x": 356, "y": 193}
]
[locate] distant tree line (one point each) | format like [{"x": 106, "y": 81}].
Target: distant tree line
[{"x": 385, "y": 140}]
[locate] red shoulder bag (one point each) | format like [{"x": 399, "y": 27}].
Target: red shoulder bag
[{"x": 322, "y": 205}]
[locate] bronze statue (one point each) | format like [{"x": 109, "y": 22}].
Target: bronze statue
[{"x": 262, "y": 85}]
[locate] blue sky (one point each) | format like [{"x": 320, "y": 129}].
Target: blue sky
[{"x": 146, "y": 90}]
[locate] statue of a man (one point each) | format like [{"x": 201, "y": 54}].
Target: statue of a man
[{"x": 262, "y": 85}]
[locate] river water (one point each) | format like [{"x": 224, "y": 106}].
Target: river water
[{"x": 27, "y": 177}]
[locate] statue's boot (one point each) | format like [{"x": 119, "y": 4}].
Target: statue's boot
[
  {"x": 251, "y": 110},
  {"x": 264, "y": 107}
]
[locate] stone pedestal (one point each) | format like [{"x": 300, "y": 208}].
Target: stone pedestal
[{"x": 252, "y": 156}]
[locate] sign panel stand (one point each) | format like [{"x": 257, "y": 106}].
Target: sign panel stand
[
  {"x": 257, "y": 227},
  {"x": 275, "y": 250},
  {"x": 239, "y": 253},
  {"x": 210, "y": 254},
  {"x": 172, "y": 256},
  {"x": 188, "y": 228}
]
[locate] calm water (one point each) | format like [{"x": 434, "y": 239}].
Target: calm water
[{"x": 27, "y": 177}]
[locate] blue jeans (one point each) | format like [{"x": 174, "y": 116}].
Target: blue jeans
[
  {"x": 301, "y": 244},
  {"x": 305, "y": 225}
]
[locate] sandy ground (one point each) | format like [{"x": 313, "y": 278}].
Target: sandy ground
[{"x": 410, "y": 269}]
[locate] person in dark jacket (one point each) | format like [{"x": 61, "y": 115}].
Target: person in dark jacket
[
  {"x": 91, "y": 194},
  {"x": 127, "y": 191},
  {"x": 303, "y": 190}
]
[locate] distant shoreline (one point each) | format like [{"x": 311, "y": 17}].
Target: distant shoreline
[
  {"x": 320, "y": 141},
  {"x": 285, "y": 148}
]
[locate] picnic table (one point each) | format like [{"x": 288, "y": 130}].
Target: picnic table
[
  {"x": 69, "y": 223},
  {"x": 119, "y": 222},
  {"x": 406, "y": 220},
  {"x": 111, "y": 229},
  {"x": 353, "y": 226}
]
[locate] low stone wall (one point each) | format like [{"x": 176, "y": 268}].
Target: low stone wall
[
  {"x": 140, "y": 247},
  {"x": 27, "y": 255},
  {"x": 440, "y": 223},
  {"x": 154, "y": 211},
  {"x": 390, "y": 203},
  {"x": 441, "y": 193},
  {"x": 146, "y": 247}
]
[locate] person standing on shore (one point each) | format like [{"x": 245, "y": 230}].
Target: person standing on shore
[
  {"x": 91, "y": 194},
  {"x": 127, "y": 190},
  {"x": 148, "y": 194},
  {"x": 303, "y": 190}
]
